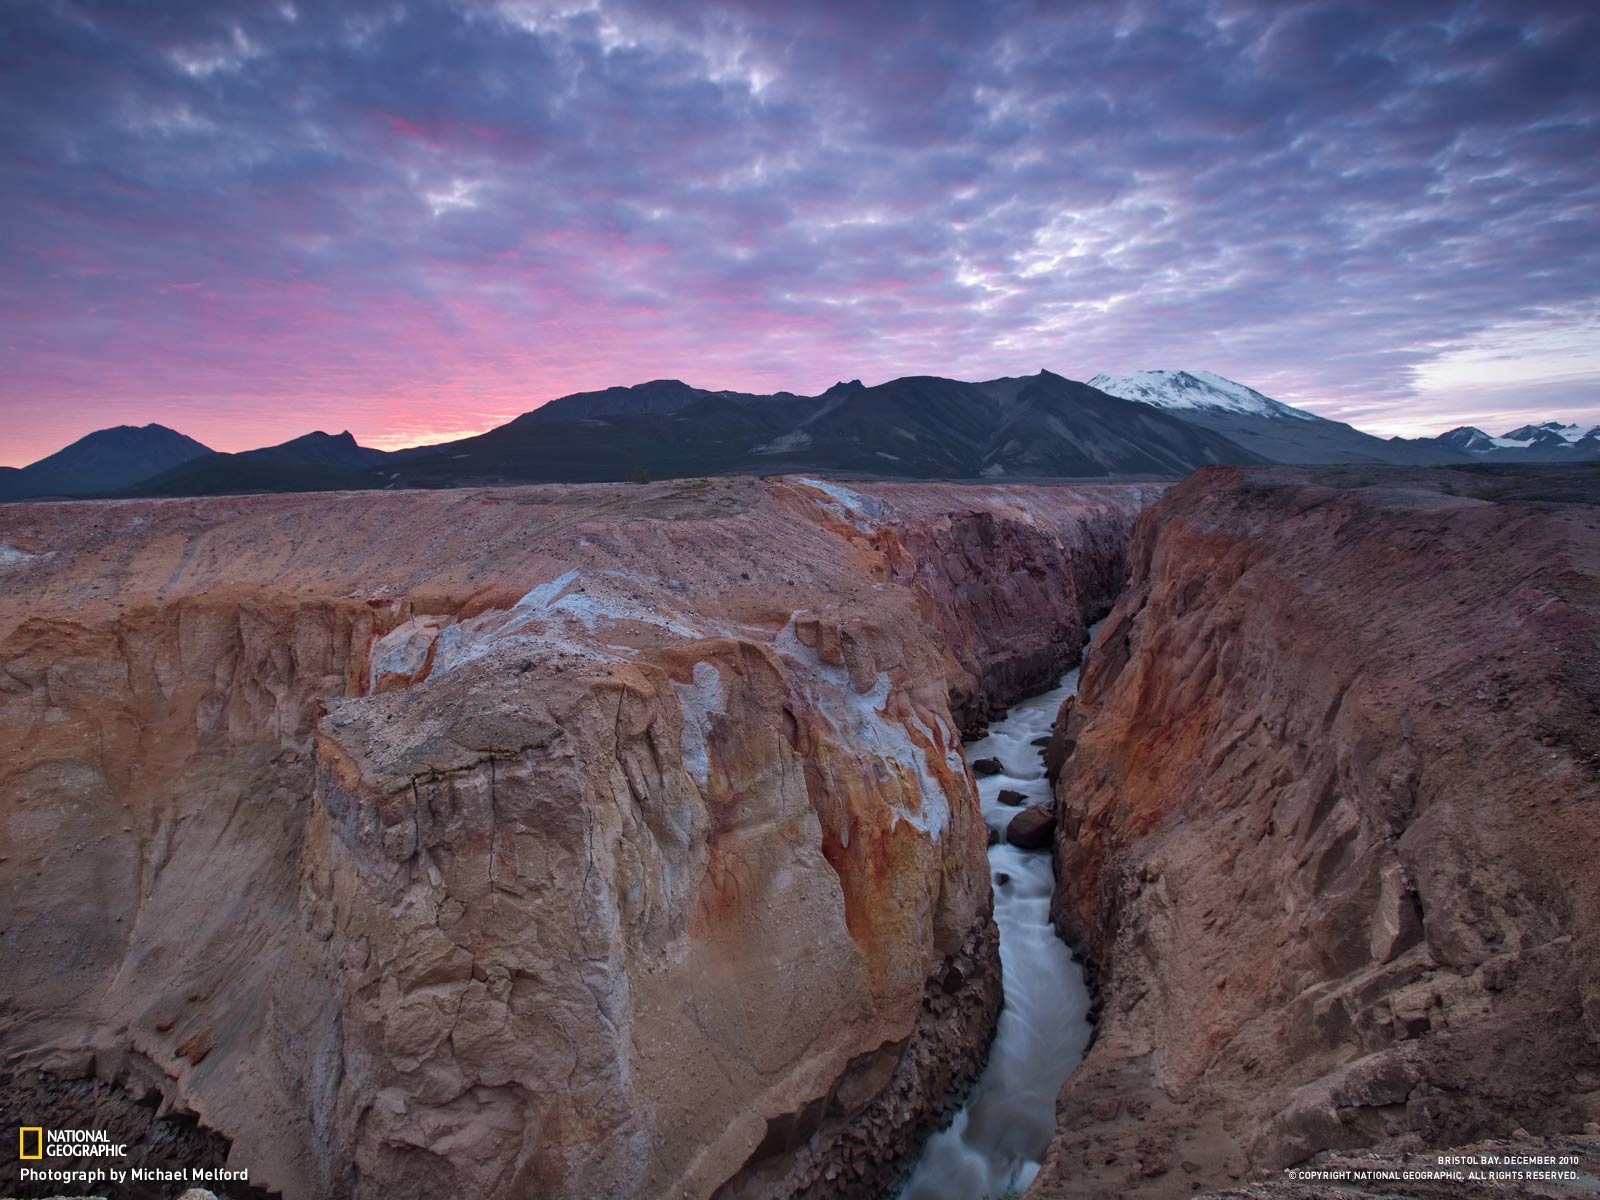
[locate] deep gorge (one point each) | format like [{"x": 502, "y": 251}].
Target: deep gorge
[
  {"x": 441, "y": 848},
  {"x": 618, "y": 840}
]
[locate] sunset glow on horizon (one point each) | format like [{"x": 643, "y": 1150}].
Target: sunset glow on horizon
[{"x": 416, "y": 221}]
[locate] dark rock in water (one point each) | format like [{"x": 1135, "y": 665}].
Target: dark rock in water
[
  {"x": 1001, "y": 879},
  {"x": 1014, "y": 798},
  {"x": 1041, "y": 741},
  {"x": 987, "y": 766},
  {"x": 1032, "y": 828},
  {"x": 994, "y": 836}
]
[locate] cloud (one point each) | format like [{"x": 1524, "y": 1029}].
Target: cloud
[{"x": 246, "y": 218}]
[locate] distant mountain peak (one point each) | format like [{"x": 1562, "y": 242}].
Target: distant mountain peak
[
  {"x": 318, "y": 448},
  {"x": 103, "y": 461},
  {"x": 1549, "y": 432},
  {"x": 1545, "y": 441},
  {"x": 322, "y": 435},
  {"x": 1469, "y": 438},
  {"x": 1195, "y": 390},
  {"x": 655, "y": 396}
]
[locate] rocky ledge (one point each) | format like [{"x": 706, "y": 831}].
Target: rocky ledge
[
  {"x": 1329, "y": 827},
  {"x": 558, "y": 841}
]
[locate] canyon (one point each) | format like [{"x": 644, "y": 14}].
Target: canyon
[
  {"x": 561, "y": 841},
  {"x": 615, "y": 840},
  {"x": 1327, "y": 801}
]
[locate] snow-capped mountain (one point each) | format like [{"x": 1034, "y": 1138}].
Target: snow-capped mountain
[
  {"x": 1550, "y": 441},
  {"x": 1200, "y": 390},
  {"x": 1470, "y": 439},
  {"x": 1551, "y": 433},
  {"x": 1271, "y": 428}
]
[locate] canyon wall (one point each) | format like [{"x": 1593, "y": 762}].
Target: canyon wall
[
  {"x": 1011, "y": 586},
  {"x": 1329, "y": 829},
  {"x": 567, "y": 842}
]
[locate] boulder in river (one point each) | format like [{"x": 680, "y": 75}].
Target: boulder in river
[
  {"x": 1032, "y": 828},
  {"x": 988, "y": 766},
  {"x": 1012, "y": 797}
]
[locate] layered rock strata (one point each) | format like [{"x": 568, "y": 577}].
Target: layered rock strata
[
  {"x": 566, "y": 842},
  {"x": 1329, "y": 827}
]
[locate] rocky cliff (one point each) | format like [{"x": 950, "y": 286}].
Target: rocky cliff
[
  {"x": 566, "y": 842},
  {"x": 1330, "y": 829},
  {"x": 1009, "y": 584}
]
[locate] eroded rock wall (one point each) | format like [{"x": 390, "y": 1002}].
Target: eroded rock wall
[
  {"x": 1328, "y": 828},
  {"x": 1011, "y": 576},
  {"x": 549, "y": 841}
]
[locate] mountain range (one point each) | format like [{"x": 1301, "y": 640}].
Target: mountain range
[
  {"x": 1547, "y": 442},
  {"x": 1148, "y": 424}
]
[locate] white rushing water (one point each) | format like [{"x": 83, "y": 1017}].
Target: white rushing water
[{"x": 994, "y": 1145}]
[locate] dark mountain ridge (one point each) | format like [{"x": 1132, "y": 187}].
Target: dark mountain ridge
[
  {"x": 921, "y": 427},
  {"x": 1152, "y": 424},
  {"x": 319, "y": 449},
  {"x": 103, "y": 461}
]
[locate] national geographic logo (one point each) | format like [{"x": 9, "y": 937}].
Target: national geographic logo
[
  {"x": 79, "y": 1158},
  {"x": 34, "y": 1142},
  {"x": 68, "y": 1148},
  {"x": 74, "y": 1158}
]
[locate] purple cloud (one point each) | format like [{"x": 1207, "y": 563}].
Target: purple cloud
[{"x": 246, "y": 220}]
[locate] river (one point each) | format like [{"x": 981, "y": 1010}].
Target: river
[{"x": 994, "y": 1145}]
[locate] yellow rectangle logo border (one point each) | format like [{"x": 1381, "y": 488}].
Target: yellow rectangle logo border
[{"x": 22, "y": 1141}]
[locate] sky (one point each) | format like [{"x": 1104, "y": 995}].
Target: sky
[{"x": 246, "y": 219}]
